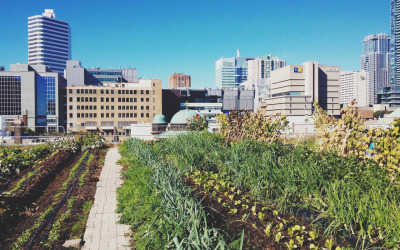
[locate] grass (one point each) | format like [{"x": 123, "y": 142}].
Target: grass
[
  {"x": 162, "y": 211},
  {"x": 349, "y": 197}
]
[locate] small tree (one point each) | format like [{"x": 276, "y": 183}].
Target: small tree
[{"x": 197, "y": 123}]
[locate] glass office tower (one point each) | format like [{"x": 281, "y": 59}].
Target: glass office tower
[
  {"x": 376, "y": 61},
  {"x": 49, "y": 41}
]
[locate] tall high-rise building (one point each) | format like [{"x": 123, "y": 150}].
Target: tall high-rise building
[
  {"x": 261, "y": 67},
  {"x": 49, "y": 41},
  {"x": 230, "y": 72},
  {"x": 391, "y": 95},
  {"x": 375, "y": 59},
  {"x": 179, "y": 81},
  {"x": 355, "y": 85}
]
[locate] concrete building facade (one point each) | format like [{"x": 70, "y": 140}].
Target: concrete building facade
[
  {"x": 179, "y": 81},
  {"x": 230, "y": 72},
  {"x": 375, "y": 59},
  {"x": 35, "y": 93},
  {"x": 113, "y": 106},
  {"x": 261, "y": 67},
  {"x": 208, "y": 102},
  {"x": 355, "y": 85},
  {"x": 77, "y": 75},
  {"x": 294, "y": 89},
  {"x": 49, "y": 41}
]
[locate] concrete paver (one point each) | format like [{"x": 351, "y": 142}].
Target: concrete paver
[{"x": 102, "y": 229}]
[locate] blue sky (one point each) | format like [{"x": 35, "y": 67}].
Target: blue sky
[{"x": 162, "y": 37}]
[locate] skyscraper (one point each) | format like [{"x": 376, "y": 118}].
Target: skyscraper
[
  {"x": 391, "y": 95},
  {"x": 230, "y": 72},
  {"x": 49, "y": 41},
  {"x": 261, "y": 67},
  {"x": 376, "y": 61}
]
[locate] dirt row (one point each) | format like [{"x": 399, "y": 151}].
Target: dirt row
[
  {"x": 20, "y": 210},
  {"x": 233, "y": 224}
]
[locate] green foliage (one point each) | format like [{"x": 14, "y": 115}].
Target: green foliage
[
  {"x": 159, "y": 206},
  {"x": 14, "y": 159},
  {"x": 340, "y": 190},
  {"x": 238, "y": 126},
  {"x": 379, "y": 113},
  {"x": 350, "y": 136},
  {"x": 197, "y": 123}
]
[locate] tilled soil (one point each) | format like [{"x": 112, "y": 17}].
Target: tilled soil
[
  {"x": 22, "y": 209},
  {"x": 255, "y": 238}
]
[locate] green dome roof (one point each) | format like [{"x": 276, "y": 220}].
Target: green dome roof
[
  {"x": 182, "y": 116},
  {"x": 159, "y": 119}
]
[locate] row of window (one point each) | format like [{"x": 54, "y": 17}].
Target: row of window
[
  {"x": 90, "y": 107},
  {"x": 107, "y": 91},
  {"x": 109, "y": 115},
  {"x": 108, "y": 99}
]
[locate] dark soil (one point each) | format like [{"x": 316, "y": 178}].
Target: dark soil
[
  {"x": 255, "y": 238},
  {"x": 24, "y": 206}
]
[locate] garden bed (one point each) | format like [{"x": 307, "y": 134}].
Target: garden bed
[{"x": 36, "y": 195}]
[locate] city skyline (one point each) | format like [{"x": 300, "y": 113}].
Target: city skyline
[{"x": 160, "y": 38}]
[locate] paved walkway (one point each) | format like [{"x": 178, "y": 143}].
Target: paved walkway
[{"x": 102, "y": 229}]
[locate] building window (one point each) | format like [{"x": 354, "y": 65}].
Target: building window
[
  {"x": 112, "y": 107},
  {"x": 78, "y": 107},
  {"x": 95, "y": 115},
  {"x": 70, "y": 91},
  {"x": 147, "y": 108},
  {"x": 94, "y": 91},
  {"x": 86, "y": 99},
  {"x": 135, "y": 99},
  {"x": 71, "y": 115},
  {"x": 134, "y": 115},
  {"x": 141, "y": 107},
  {"x": 95, "y": 99},
  {"x": 119, "y": 92},
  {"x": 107, "y": 115},
  {"x": 112, "y": 115},
  {"x": 119, "y": 115},
  {"x": 123, "y": 92},
  {"x": 147, "y": 115},
  {"x": 70, "y": 107},
  {"x": 107, "y": 92},
  {"x": 112, "y": 99},
  {"x": 107, "y": 107},
  {"x": 102, "y": 91},
  {"x": 135, "y": 92},
  {"x": 90, "y": 91},
  {"x": 141, "y": 115},
  {"x": 119, "y": 107},
  {"x": 147, "y": 99},
  {"x": 147, "y": 92},
  {"x": 112, "y": 91},
  {"x": 135, "y": 107},
  {"x": 102, "y": 107},
  {"x": 142, "y": 99},
  {"x": 78, "y": 99},
  {"x": 131, "y": 92},
  {"x": 154, "y": 99},
  {"x": 119, "y": 99},
  {"x": 142, "y": 92},
  {"x": 78, "y": 115},
  {"x": 102, "y": 115},
  {"x": 107, "y": 99},
  {"x": 90, "y": 99}
]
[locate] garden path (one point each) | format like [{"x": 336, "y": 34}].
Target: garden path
[{"x": 102, "y": 229}]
